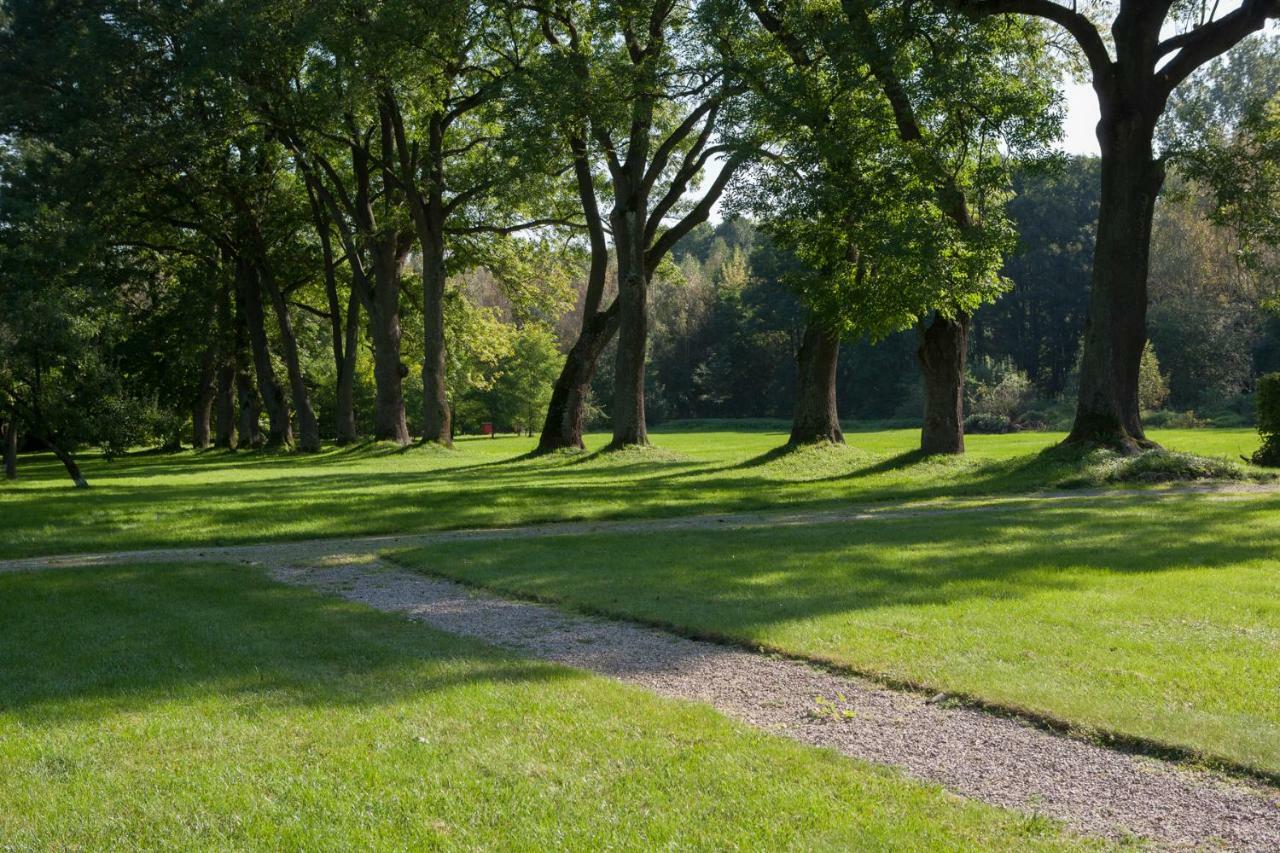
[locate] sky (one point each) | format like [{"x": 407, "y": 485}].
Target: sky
[{"x": 1078, "y": 131}]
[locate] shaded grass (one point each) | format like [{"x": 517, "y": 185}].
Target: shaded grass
[
  {"x": 211, "y": 498},
  {"x": 190, "y": 708},
  {"x": 1151, "y": 620}
]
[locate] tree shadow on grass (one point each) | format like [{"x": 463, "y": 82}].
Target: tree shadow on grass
[{"x": 91, "y": 643}]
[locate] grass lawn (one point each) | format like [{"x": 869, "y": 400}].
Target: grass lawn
[
  {"x": 1155, "y": 620},
  {"x": 207, "y": 707},
  {"x": 215, "y": 497}
]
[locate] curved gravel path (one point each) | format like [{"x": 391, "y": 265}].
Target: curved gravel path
[{"x": 998, "y": 760}]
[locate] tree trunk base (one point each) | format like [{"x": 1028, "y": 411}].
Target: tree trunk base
[
  {"x": 941, "y": 353},
  {"x": 1108, "y": 437},
  {"x": 566, "y": 414},
  {"x": 816, "y": 419}
]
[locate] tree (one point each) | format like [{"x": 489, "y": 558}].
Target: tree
[
  {"x": 1133, "y": 90},
  {"x": 316, "y": 75},
  {"x": 659, "y": 109},
  {"x": 891, "y": 129},
  {"x": 471, "y": 179},
  {"x": 60, "y": 322}
]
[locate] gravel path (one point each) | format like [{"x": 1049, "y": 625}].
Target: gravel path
[{"x": 995, "y": 759}]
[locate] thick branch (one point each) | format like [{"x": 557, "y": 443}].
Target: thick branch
[
  {"x": 1084, "y": 32},
  {"x": 1213, "y": 39}
]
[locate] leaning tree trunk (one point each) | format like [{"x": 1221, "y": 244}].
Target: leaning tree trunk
[
  {"x": 206, "y": 392},
  {"x": 633, "y": 330},
  {"x": 308, "y": 426},
  {"x": 68, "y": 461},
  {"x": 1107, "y": 411},
  {"x": 437, "y": 424},
  {"x": 389, "y": 422},
  {"x": 816, "y": 419},
  {"x": 11, "y": 451},
  {"x": 941, "y": 354},
  {"x": 249, "y": 303},
  {"x": 563, "y": 427}
]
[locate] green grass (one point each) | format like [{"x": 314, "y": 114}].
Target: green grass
[
  {"x": 211, "y": 498},
  {"x": 201, "y": 708},
  {"x": 1152, "y": 619}
]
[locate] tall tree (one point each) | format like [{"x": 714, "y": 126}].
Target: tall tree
[
  {"x": 1133, "y": 89},
  {"x": 894, "y": 130},
  {"x": 660, "y": 109}
]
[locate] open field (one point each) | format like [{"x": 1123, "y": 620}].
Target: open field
[
  {"x": 1151, "y": 620},
  {"x": 152, "y": 500},
  {"x": 207, "y": 707}
]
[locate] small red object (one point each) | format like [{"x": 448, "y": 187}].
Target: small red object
[{"x": 487, "y": 429}]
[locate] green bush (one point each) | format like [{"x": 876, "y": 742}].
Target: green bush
[
  {"x": 996, "y": 388},
  {"x": 985, "y": 422},
  {"x": 1268, "y": 420},
  {"x": 1167, "y": 419}
]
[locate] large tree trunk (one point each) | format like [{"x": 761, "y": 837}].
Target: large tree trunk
[
  {"x": 941, "y": 353},
  {"x": 816, "y": 419},
  {"x": 563, "y": 427},
  {"x": 566, "y": 413},
  {"x": 11, "y": 451},
  {"x": 207, "y": 390},
  {"x": 1107, "y": 411},
  {"x": 389, "y": 422},
  {"x": 249, "y": 304},
  {"x": 633, "y": 329},
  {"x": 308, "y": 426},
  {"x": 437, "y": 423}
]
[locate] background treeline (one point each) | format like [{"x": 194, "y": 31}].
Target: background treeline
[{"x": 725, "y": 329}]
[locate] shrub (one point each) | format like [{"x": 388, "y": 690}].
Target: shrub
[
  {"x": 996, "y": 388},
  {"x": 985, "y": 422},
  {"x": 1268, "y": 421},
  {"x": 1165, "y": 419},
  {"x": 1153, "y": 387}
]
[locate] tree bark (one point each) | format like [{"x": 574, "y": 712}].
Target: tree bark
[
  {"x": 629, "y": 426},
  {"x": 68, "y": 461},
  {"x": 206, "y": 392},
  {"x": 225, "y": 409},
  {"x": 230, "y": 340},
  {"x": 11, "y": 451},
  {"x": 437, "y": 425},
  {"x": 1107, "y": 410},
  {"x": 816, "y": 418},
  {"x": 941, "y": 354},
  {"x": 249, "y": 304},
  {"x": 345, "y": 425},
  {"x": 308, "y": 426},
  {"x": 343, "y": 328},
  {"x": 389, "y": 423},
  {"x": 566, "y": 414}
]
